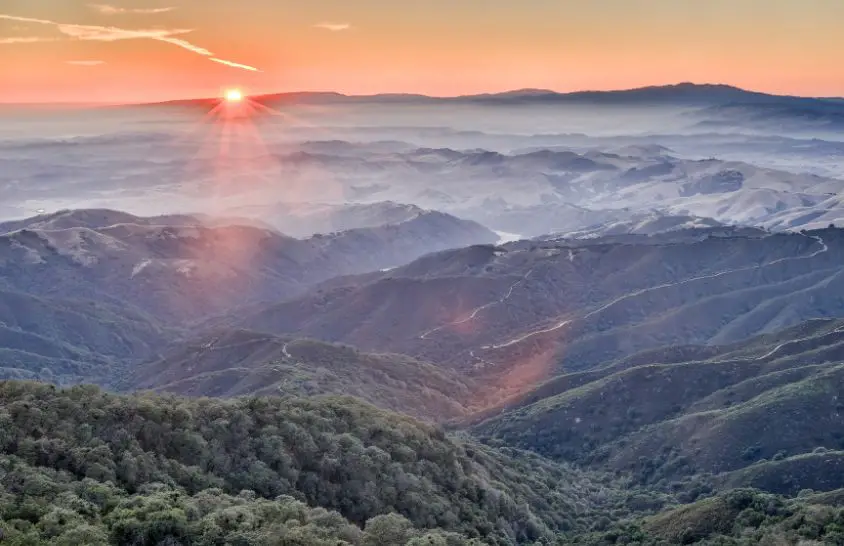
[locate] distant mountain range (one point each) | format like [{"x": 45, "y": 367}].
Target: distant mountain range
[
  {"x": 683, "y": 93},
  {"x": 708, "y": 107},
  {"x": 533, "y": 193},
  {"x": 306, "y": 219}
]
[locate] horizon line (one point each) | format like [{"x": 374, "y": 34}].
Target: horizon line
[{"x": 549, "y": 91}]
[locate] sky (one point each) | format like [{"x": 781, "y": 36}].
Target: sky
[{"x": 149, "y": 50}]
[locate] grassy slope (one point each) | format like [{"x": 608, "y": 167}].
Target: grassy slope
[
  {"x": 747, "y": 402},
  {"x": 240, "y": 362},
  {"x": 736, "y": 518}
]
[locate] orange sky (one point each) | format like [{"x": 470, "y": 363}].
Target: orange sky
[{"x": 70, "y": 50}]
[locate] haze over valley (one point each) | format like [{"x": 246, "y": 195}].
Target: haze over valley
[{"x": 527, "y": 163}]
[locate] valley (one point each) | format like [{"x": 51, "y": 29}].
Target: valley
[
  {"x": 492, "y": 319},
  {"x": 523, "y": 299}
]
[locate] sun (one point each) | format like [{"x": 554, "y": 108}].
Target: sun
[{"x": 233, "y": 95}]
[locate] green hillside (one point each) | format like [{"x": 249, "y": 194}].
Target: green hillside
[
  {"x": 41, "y": 506},
  {"x": 240, "y": 362},
  {"x": 775, "y": 397},
  {"x": 742, "y": 517},
  {"x": 334, "y": 453},
  {"x": 70, "y": 341}
]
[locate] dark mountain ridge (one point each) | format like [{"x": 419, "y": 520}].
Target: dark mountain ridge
[{"x": 682, "y": 93}]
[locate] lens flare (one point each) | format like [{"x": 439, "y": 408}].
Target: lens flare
[
  {"x": 229, "y": 153},
  {"x": 233, "y": 95}
]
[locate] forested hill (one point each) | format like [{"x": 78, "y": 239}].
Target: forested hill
[{"x": 81, "y": 466}]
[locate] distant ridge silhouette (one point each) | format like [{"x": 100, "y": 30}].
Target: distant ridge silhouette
[{"x": 681, "y": 93}]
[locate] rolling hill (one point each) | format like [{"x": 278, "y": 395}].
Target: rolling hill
[
  {"x": 679, "y": 361},
  {"x": 71, "y": 340},
  {"x": 761, "y": 413},
  {"x": 741, "y": 516},
  {"x": 540, "y": 191},
  {"x": 520, "y": 313},
  {"x": 179, "y": 272},
  {"x": 240, "y": 363},
  {"x": 306, "y": 219}
]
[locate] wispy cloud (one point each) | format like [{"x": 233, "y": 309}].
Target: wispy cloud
[
  {"x": 25, "y": 40},
  {"x": 112, "y": 34},
  {"x": 107, "y": 9},
  {"x": 98, "y": 33},
  {"x": 184, "y": 44},
  {"x": 86, "y": 63},
  {"x": 233, "y": 64},
  {"x": 333, "y": 27}
]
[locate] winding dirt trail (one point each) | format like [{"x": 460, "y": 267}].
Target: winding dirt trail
[
  {"x": 824, "y": 248},
  {"x": 477, "y": 310},
  {"x": 527, "y": 336},
  {"x": 638, "y": 293},
  {"x": 776, "y": 349}
]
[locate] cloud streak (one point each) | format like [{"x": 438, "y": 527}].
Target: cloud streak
[
  {"x": 99, "y": 33},
  {"x": 25, "y": 40},
  {"x": 333, "y": 27},
  {"x": 234, "y": 65},
  {"x": 107, "y": 9}
]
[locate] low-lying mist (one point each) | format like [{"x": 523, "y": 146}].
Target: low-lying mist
[{"x": 520, "y": 165}]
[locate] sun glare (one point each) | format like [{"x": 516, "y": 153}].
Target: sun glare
[{"x": 234, "y": 95}]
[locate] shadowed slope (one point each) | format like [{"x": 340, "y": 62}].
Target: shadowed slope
[
  {"x": 775, "y": 396},
  {"x": 236, "y": 363}
]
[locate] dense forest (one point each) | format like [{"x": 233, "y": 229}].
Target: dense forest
[
  {"x": 82, "y": 466},
  {"x": 43, "y": 506},
  {"x": 111, "y": 456}
]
